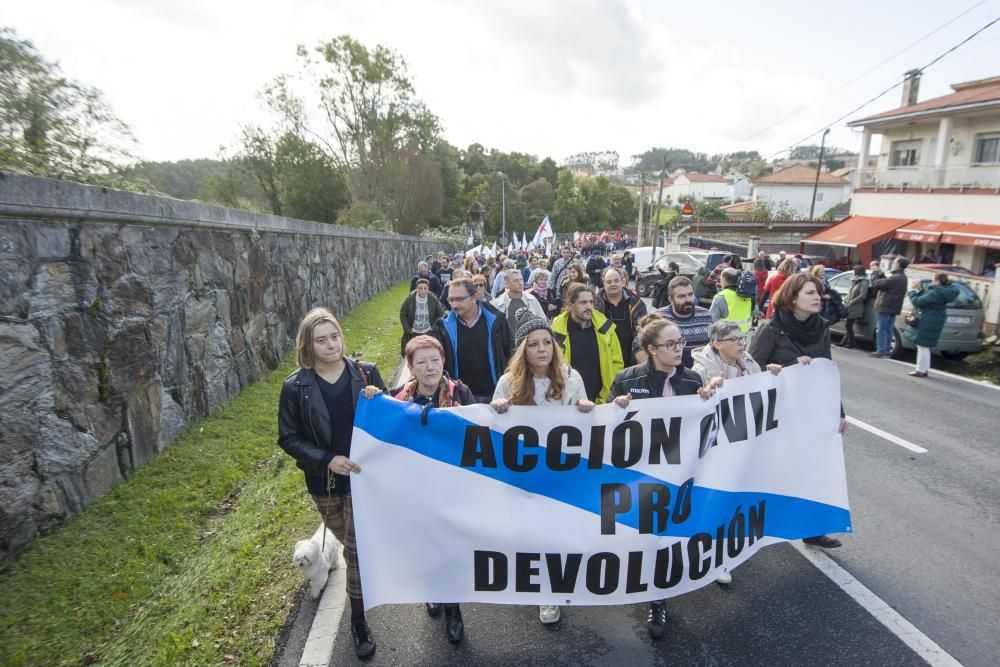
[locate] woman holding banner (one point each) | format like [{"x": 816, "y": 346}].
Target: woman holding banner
[
  {"x": 315, "y": 426},
  {"x": 663, "y": 374},
  {"x": 431, "y": 387},
  {"x": 536, "y": 375},
  {"x": 725, "y": 354},
  {"x": 797, "y": 335}
]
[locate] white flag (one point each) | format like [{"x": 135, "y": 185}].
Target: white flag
[{"x": 544, "y": 232}]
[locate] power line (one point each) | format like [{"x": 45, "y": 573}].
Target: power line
[
  {"x": 887, "y": 90},
  {"x": 865, "y": 73}
]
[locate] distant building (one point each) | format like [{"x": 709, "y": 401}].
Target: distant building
[
  {"x": 936, "y": 178},
  {"x": 932, "y": 186},
  {"x": 791, "y": 190}
]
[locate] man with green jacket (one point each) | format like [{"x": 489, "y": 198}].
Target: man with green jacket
[{"x": 588, "y": 341}]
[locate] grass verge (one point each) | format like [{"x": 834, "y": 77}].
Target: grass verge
[{"x": 189, "y": 562}]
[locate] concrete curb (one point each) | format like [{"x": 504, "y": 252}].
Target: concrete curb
[{"x": 318, "y": 649}]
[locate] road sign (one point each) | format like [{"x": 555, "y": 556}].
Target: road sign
[{"x": 688, "y": 210}]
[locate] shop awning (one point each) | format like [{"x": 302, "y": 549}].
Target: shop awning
[
  {"x": 856, "y": 230},
  {"x": 925, "y": 231},
  {"x": 976, "y": 234}
]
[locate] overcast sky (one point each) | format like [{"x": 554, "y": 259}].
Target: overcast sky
[{"x": 547, "y": 77}]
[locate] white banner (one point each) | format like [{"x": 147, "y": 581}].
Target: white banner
[{"x": 553, "y": 506}]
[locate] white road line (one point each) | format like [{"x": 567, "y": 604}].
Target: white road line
[
  {"x": 908, "y": 633},
  {"x": 978, "y": 383},
  {"x": 318, "y": 648},
  {"x": 888, "y": 436}
]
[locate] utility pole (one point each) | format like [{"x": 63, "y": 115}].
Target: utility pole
[
  {"x": 819, "y": 165},
  {"x": 659, "y": 204},
  {"x": 642, "y": 199},
  {"x": 503, "y": 208}
]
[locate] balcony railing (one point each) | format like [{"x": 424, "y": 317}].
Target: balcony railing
[{"x": 961, "y": 177}]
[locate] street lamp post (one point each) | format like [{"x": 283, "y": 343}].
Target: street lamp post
[
  {"x": 503, "y": 209},
  {"x": 819, "y": 165}
]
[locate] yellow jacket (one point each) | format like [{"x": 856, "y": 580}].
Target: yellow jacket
[{"x": 608, "y": 348}]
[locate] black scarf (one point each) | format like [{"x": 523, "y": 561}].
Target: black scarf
[{"x": 802, "y": 332}]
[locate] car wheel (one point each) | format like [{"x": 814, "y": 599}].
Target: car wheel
[
  {"x": 896, "y": 350},
  {"x": 642, "y": 288},
  {"x": 955, "y": 356}
]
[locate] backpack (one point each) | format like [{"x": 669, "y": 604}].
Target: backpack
[{"x": 747, "y": 286}]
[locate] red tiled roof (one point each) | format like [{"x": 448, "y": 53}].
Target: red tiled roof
[
  {"x": 705, "y": 178},
  {"x": 986, "y": 90},
  {"x": 799, "y": 174},
  {"x": 740, "y": 207}
]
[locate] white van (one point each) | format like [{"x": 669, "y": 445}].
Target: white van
[{"x": 644, "y": 257}]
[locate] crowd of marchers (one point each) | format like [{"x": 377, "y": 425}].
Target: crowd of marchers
[{"x": 528, "y": 330}]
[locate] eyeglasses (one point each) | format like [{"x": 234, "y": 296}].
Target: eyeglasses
[
  {"x": 458, "y": 299},
  {"x": 672, "y": 344},
  {"x": 734, "y": 339}
]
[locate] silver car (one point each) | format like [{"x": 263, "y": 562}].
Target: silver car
[{"x": 962, "y": 333}]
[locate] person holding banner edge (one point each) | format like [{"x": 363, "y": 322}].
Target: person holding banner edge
[
  {"x": 796, "y": 335},
  {"x": 663, "y": 374},
  {"x": 432, "y": 388},
  {"x": 315, "y": 426},
  {"x": 536, "y": 375}
]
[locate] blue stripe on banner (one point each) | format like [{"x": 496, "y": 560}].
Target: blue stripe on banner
[{"x": 787, "y": 517}]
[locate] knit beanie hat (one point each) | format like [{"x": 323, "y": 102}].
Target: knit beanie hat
[{"x": 526, "y": 322}]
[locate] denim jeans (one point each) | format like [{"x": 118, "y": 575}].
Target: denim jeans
[{"x": 884, "y": 333}]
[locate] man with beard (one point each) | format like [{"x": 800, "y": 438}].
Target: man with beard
[
  {"x": 692, "y": 320},
  {"x": 588, "y": 341}
]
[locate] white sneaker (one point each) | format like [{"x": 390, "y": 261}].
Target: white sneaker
[
  {"x": 548, "y": 614},
  {"x": 724, "y": 578}
]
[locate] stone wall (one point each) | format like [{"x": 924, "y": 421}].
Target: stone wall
[{"x": 124, "y": 318}]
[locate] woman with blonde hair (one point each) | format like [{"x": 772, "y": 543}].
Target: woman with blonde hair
[
  {"x": 536, "y": 375},
  {"x": 315, "y": 425}
]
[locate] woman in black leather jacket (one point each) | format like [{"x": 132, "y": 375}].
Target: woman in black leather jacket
[{"x": 315, "y": 424}]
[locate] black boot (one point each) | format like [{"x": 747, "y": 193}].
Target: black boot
[
  {"x": 656, "y": 622},
  {"x": 455, "y": 625},
  {"x": 364, "y": 642},
  {"x": 433, "y": 609},
  {"x": 823, "y": 541}
]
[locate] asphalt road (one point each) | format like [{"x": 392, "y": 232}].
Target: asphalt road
[{"x": 926, "y": 541}]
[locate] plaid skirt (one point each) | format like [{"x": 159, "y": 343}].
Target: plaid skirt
[{"x": 338, "y": 514}]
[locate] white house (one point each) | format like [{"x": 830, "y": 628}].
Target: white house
[
  {"x": 697, "y": 187},
  {"x": 791, "y": 190},
  {"x": 937, "y": 173},
  {"x": 738, "y": 186}
]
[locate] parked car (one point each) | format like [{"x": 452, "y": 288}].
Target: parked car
[
  {"x": 950, "y": 268},
  {"x": 693, "y": 264},
  {"x": 962, "y": 333}
]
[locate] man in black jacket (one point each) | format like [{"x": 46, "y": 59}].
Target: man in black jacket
[
  {"x": 477, "y": 340},
  {"x": 890, "y": 291},
  {"x": 424, "y": 271}
]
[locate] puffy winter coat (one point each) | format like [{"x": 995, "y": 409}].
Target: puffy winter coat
[{"x": 931, "y": 303}]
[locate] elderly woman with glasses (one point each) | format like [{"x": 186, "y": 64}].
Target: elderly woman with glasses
[{"x": 726, "y": 354}]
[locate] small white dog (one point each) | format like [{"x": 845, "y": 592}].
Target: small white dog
[{"x": 316, "y": 562}]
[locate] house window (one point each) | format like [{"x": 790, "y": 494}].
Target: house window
[
  {"x": 988, "y": 148},
  {"x": 905, "y": 153},
  {"x": 819, "y": 196}
]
